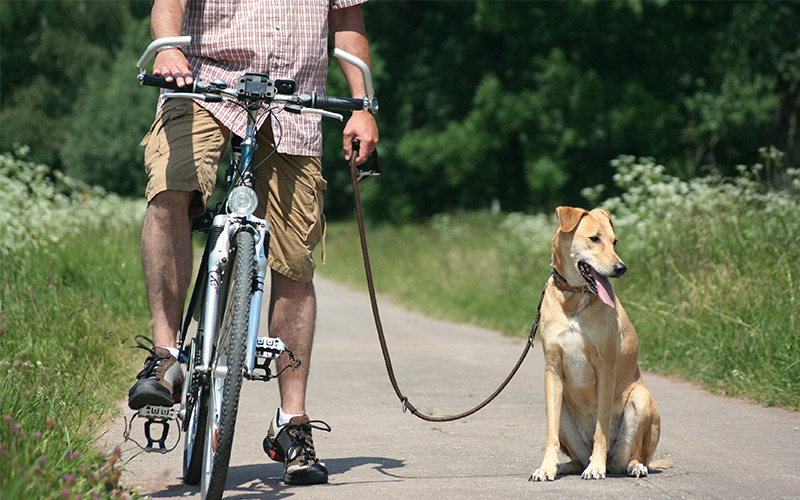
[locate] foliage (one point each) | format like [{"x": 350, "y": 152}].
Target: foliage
[
  {"x": 519, "y": 104},
  {"x": 717, "y": 295},
  {"x": 713, "y": 285},
  {"x": 50, "y": 50},
  {"x": 67, "y": 310},
  {"x": 527, "y": 102},
  {"x": 109, "y": 120},
  {"x": 43, "y": 206}
]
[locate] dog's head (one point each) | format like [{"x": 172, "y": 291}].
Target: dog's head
[{"x": 583, "y": 250}]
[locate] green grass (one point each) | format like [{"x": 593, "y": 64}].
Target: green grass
[
  {"x": 69, "y": 315},
  {"x": 719, "y": 305},
  {"x": 467, "y": 268},
  {"x": 713, "y": 285}
]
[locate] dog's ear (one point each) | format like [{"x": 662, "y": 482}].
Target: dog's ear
[{"x": 569, "y": 217}]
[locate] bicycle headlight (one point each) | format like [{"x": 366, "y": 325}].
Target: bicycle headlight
[{"x": 242, "y": 201}]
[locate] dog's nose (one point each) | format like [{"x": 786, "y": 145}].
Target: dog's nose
[{"x": 619, "y": 269}]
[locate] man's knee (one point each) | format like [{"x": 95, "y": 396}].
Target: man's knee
[
  {"x": 171, "y": 204},
  {"x": 287, "y": 287}
]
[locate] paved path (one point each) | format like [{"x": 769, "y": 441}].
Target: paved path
[{"x": 722, "y": 448}]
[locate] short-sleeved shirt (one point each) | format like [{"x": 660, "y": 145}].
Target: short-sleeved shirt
[{"x": 282, "y": 38}]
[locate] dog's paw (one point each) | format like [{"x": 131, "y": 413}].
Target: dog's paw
[
  {"x": 543, "y": 475},
  {"x": 594, "y": 472},
  {"x": 637, "y": 470}
]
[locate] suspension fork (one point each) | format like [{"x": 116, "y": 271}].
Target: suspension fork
[
  {"x": 217, "y": 259},
  {"x": 262, "y": 245}
]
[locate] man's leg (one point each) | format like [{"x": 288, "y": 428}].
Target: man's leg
[
  {"x": 293, "y": 311},
  {"x": 167, "y": 262},
  {"x": 167, "y": 267},
  {"x": 182, "y": 152}
]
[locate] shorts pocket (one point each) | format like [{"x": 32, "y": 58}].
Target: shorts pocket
[
  {"x": 316, "y": 231},
  {"x": 155, "y": 141}
]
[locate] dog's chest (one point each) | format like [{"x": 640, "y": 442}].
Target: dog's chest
[{"x": 576, "y": 363}]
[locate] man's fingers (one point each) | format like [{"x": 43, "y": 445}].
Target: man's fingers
[
  {"x": 363, "y": 153},
  {"x": 173, "y": 65},
  {"x": 348, "y": 147}
]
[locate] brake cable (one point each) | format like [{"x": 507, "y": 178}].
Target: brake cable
[{"x": 407, "y": 406}]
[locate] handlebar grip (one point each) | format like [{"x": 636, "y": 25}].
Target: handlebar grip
[
  {"x": 347, "y": 103},
  {"x": 159, "y": 81}
]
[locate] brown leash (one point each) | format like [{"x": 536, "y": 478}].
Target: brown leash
[{"x": 407, "y": 406}]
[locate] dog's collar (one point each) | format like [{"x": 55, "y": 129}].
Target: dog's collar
[{"x": 561, "y": 282}]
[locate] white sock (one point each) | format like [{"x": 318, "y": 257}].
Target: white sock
[
  {"x": 283, "y": 418},
  {"x": 173, "y": 350}
]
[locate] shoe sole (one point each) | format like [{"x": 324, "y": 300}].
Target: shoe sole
[{"x": 316, "y": 474}]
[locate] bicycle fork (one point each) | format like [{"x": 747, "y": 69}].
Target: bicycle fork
[{"x": 217, "y": 260}]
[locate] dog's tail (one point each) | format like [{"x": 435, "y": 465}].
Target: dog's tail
[{"x": 661, "y": 460}]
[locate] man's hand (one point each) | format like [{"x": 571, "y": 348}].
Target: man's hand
[
  {"x": 361, "y": 126},
  {"x": 173, "y": 65}
]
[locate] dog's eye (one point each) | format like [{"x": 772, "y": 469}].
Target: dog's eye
[{"x": 595, "y": 239}]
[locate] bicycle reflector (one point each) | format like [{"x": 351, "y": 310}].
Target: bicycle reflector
[{"x": 242, "y": 201}]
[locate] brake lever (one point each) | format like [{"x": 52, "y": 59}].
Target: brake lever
[{"x": 301, "y": 110}]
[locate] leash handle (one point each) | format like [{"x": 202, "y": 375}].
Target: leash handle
[
  {"x": 355, "y": 175},
  {"x": 375, "y": 166}
]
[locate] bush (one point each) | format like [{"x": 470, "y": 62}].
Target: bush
[{"x": 42, "y": 206}]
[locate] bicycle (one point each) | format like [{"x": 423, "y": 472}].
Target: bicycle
[{"x": 225, "y": 302}]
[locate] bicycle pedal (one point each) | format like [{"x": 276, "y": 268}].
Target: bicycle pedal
[
  {"x": 269, "y": 347},
  {"x": 151, "y": 412},
  {"x": 158, "y": 416},
  {"x": 261, "y": 364}
]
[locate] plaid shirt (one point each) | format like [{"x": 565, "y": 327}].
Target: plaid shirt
[{"x": 282, "y": 38}]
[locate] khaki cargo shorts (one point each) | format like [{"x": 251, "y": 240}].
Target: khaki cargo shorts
[{"x": 183, "y": 151}]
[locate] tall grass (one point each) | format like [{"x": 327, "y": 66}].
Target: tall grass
[
  {"x": 713, "y": 285},
  {"x": 71, "y": 299}
]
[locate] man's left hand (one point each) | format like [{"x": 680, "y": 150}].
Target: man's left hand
[{"x": 361, "y": 126}]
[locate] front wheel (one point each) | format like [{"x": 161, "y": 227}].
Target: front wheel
[{"x": 227, "y": 368}]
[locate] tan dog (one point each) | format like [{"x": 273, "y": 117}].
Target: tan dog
[{"x": 599, "y": 412}]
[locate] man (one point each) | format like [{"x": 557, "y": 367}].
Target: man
[{"x": 183, "y": 149}]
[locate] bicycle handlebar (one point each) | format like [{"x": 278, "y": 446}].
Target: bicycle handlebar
[{"x": 267, "y": 90}]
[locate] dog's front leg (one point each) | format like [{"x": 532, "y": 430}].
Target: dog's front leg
[
  {"x": 605, "y": 399},
  {"x": 553, "y": 395}
]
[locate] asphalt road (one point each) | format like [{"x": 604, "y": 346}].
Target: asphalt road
[{"x": 721, "y": 447}]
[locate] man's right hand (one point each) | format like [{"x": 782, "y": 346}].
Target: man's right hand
[{"x": 173, "y": 65}]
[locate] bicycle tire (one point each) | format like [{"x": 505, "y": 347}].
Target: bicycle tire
[
  {"x": 196, "y": 418},
  {"x": 229, "y": 353}
]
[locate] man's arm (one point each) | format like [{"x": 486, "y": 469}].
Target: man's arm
[
  {"x": 349, "y": 34},
  {"x": 167, "y": 20}
]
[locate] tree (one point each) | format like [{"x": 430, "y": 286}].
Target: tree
[
  {"x": 49, "y": 51},
  {"x": 111, "y": 117}
]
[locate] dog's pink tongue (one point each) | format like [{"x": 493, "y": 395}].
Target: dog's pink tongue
[{"x": 604, "y": 290}]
